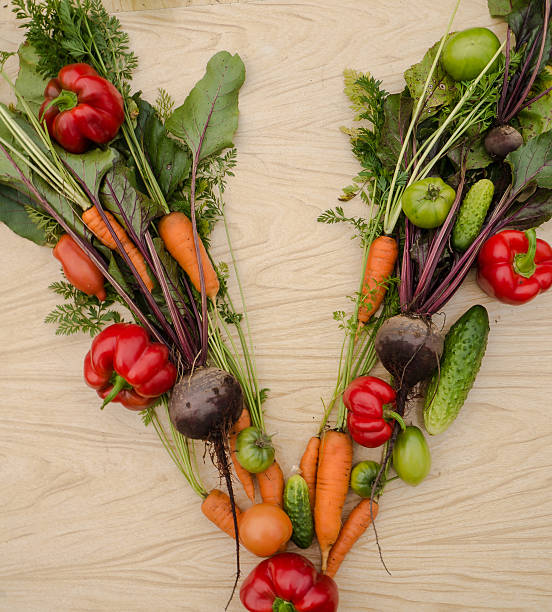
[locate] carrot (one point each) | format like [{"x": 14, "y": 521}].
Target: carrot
[
  {"x": 382, "y": 257},
  {"x": 97, "y": 226},
  {"x": 218, "y": 509},
  {"x": 176, "y": 231},
  {"x": 357, "y": 523},
  {"x": 332, "y": 483},
  {"x": 271, "y": 485},
  {"x": 308, "y": 465},
  {"x": 245, "y": 477}
]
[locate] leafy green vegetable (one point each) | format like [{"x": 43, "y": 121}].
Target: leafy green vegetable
[
  {"x": 119, "y": 188},
  {"x": 536, "y": 118},
  {"x": 503, "y": 8},
  {"x": 29, "y": 83},
  {"x": 532, "y": 162},
  {"x": 537, "y": 211},
  {"x": 15, "y": 215},
  {"x": 398, "y": 111},
  {"x": 169, "y": 160},
  {"x": 92, "y": 166},
  {"x": 209, "y": 116},
  {"x": 441, "y": 91},
  {"x": 8, "y": 173}
]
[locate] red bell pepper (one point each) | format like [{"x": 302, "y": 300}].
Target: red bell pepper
[
  {"x": 288, "y": 583},
  {"x": 81, "y": 108},
  {"x": 514, "y": 267},
  {"x": 365, "y": 399},
  {"x": 124, "y": 366}
]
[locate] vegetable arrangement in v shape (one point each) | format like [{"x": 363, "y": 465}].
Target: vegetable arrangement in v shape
[{"x": 133, "y": 199}]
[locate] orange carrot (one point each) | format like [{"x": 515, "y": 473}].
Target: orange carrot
[
  {"x": 245, "y": 477},
  {"x": 97, "y": 226},
  {"x": 332, "y": 483},
  {"x": 308, "y": 465},
  {"x": 271, "y": 485},
  {"x": 356, "y": 525},
  {"x": 176, "y": 231},
  {"x": 218, "y": 509},
  {"x": 379, "y": 267}
]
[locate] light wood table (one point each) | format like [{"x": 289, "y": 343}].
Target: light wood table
[{"x": 95, "y": 517}]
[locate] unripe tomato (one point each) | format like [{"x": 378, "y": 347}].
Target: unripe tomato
[
  {"x": 363, "y": 476},
  {"x": 466, "y": 53},
  {"x": 254, "y": 450},
  {"x": 411, "y": 457},
  {"x": 265, "y": 529},
  {"x": 428, "y": 202}
]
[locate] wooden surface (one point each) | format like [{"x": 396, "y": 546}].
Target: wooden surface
[{"x": 94, "y": 517}]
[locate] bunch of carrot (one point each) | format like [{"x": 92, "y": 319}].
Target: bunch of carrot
[{"x": 327, "y": 461}]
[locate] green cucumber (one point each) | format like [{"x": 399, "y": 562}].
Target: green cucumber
[
  {"x": 471, "y": 214},
  {"x": 465, "y": 346},
  {"x": 297, "y": 507}
]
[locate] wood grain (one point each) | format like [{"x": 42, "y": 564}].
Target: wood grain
[{"x": 94, "y": 515}]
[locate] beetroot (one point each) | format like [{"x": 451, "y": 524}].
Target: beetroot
[
  {"x": 409, "y": 347},
  {"x": 502, "y": 140},
  {"x": 206, "y": 404}
]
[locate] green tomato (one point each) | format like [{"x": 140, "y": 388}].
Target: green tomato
[
  {"x": 254, "y": 450},
  {"x": 427, "y": 202},
  {"x": 363, "y": 476},
  {"x": 466, "y": 53},
  {"x": 411, "y": 458}
]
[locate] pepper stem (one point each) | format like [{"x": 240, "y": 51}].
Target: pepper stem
[
  {"x": 65, "y": 101},
  {"x": 281, "y": 605},
  {"x": 118, "y": 385},
  {"x": 524, "y": 263},
  {"x": 395, "y": 415}
]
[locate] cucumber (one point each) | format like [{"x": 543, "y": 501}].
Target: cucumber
[
  {"x": 297, "y": 507},
  {"x": 471, "y": 215},
  {"x": 465, "y": 346}
]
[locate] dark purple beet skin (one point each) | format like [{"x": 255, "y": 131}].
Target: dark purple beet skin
[
  {"x": 206, "y": 404},
  {"x": 409, "y": 347}
]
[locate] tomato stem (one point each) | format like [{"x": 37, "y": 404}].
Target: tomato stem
[
  {"x": 396, "y": 416},
  {"x": 524, "y": 263}
]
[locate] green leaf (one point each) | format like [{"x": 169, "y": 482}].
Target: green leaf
[
  {"x": 536, "y": 211},
  {"x": 172, "y": 269},
  {"x": 398, "y": 111},
  {"x": 8, "y": 173},
  {"x": 473, "y": 146},
  {"x": 14, "y": 215},
  {"x": 536, "y": 118},
  {"x": 209, "y": 116},
  {"x": 502, "y": 8},
  {"x": 92, "y": 166},
  {"x": 69, "y": 211},
  {"x": 119, "y": 195},
  {"x": 442, "y": 89},
  {"x": 115, "y": 271},
  {"x": 532, "y": 162},
  {"x": 29, "y": 84},
  {"x": 169, "y": 160}
]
